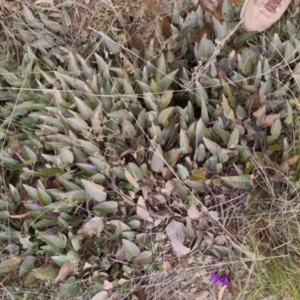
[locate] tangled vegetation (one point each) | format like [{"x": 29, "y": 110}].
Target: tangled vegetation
[{"x": 165, "y": 169}]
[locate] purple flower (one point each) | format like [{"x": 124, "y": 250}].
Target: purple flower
[
  {"x": 216, "y": 279},
  {"x": 16, "y": 157},
  {"x": 239, "y": 192},
  {"x": 53, "y": 215},
  {"x": 38, "y": 203}
]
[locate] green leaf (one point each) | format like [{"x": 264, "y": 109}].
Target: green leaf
[
  {"x": 135, "y": 171},
  {"x": 172, "y": 156},
  {"x": 66, "y": 155},
  {"x": 14, "y": 193},
  {"x": 4, "y": 215},
  {"x": 10, "y": 264},
  {"x": 165, "y": 99},
  {"x": 55, "y": 242},
  {"x": 150, "y": 101},
  {"x": 205, "y": 49},
  {"x": 289, "y": 52},
  {"x": 94, "y": 190},
  {"x": 70, "y": 289},
  {"x": 223, "y": 134},
  {"x": 227, "y": 11},
  {"x": 44, "y": 273},
  {"x": 199, "y": 174},
  {"x": 11, "y": 78},
  {"x": 85, "y": 111},
  {"x": 234, "y": 138},
  {"x": 120, "y": 115},
  {"x": 212, "y": 146},
  {"x": 276, "y": 128},
  {"x": 32, "y": 192},
  {"x": 242, "y": 181},
  {"x": 44, "y": 223},
  {"x": 131, "y": 249},
  {"x": 182, "y": 172},
  {"x": 184, "y": 142},
  {"x": 107, "y": 207},
  {"x": 161, "y": 68},
  {"x": 243, "y": 38},
  {"x": 240, "y": 112},
  {"x": 27, "y": 265},
  {"x": 204, "y": 112},
  {"x": 78, "y": 124},
  {"x": 166, "y": 81},
  {"x": 165, "y": 115}
]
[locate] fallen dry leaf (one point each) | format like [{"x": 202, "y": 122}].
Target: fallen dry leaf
[
  {"x": 144, "y": 258},
  {"x": 66, "y": 270},
  {"x": 175, "y": 230},
  {"x": 220, "y": 240},
  {"x": 179, "y": 249},
  {"x": 209, "y": 239},
  {"x": 166, "y": 265},
  {"x": 203, "y": 296},
  {"x": 193, "y": 212},
  {"x": 91, "y": 227},
  {"x": 107, "y": 285},
  {"x": 260, "y": 112},
  {"x": 253, "y": 102},
  {"x": 267, "y": 121},
  {"x": 101, "y": 296},
  {"x": 214, "y": 215},
  {"x": 221, "y": 292},
  {"x": 141, "y": 210}
]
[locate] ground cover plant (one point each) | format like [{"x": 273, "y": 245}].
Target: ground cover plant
[{"x": 148, "y": 151}]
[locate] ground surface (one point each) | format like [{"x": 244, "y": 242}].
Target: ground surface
[{"x": 149, "y": 150}]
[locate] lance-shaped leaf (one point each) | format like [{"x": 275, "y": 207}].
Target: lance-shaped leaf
[
  {"x": 234, "y": 138},
  {"x": 157, "y": 162},
  {"x": 55, "y": 242},
  {"x": 242, "y": 182},
  {"x": 212, "y": 146},
  {"x": 131, "y": 249},
  {"x": 94, "y": 190},
  {"x": 85, "y": 111},
  {"x": 10, "y": 264}
]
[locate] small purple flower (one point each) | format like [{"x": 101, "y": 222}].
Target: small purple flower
[
  {"x": 239, "y": 192},
  {"x": 49, "y": 231},
  {"x": 53, "y": 215},
  {"x": 233, "y": 173},
  {"x": 216, "y": 279},
  {"x": 38, "y": 203},
  {"x": 16, "y": 157}
]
